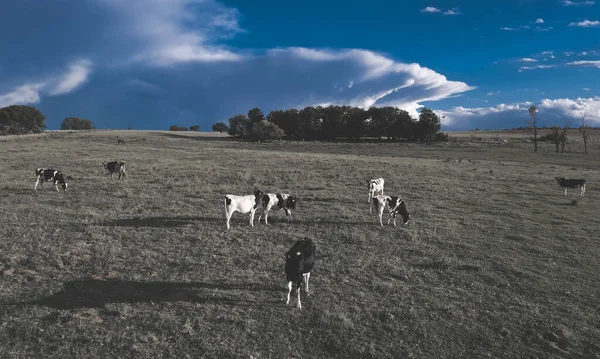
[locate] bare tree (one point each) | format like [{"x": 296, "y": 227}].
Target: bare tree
[
  {"x": 584, "y": 131},
  {"x": 563, "y": 135},
  {"x": 532, "y": 123},
  {"x": 556, "y": 136}
]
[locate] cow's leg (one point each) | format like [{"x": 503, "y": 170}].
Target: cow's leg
[
  {"x": 228, "y": 215},
  {"x": 289, "y": 292},
  {"x": 306, "y": 277},
  {"x": 36, "y": 184},
  {"x": 566, "y": 192},
  {"x": 288, "y": 214},
  {"x": 380, "y": 215},
  {"x": 370, "y": 203},
  {"x": 299, "y": 304},
  {"x": 252, "y": 217},
  {"x": 267, "y": 210},
  {"x": 56, "y": 186}
]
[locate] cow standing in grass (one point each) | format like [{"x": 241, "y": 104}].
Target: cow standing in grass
[
  {"x": 395, "y": 205},
  {"x": 299, "y": 261},
  {"x": 242, "y": 204},
  {"x": 567, "y": 183},
  {"x": 49, "y": 175},
  {"x": 277, "y": 201},
  {"x": 115, "y": 167},
  {"x": 375, "y": 187}
]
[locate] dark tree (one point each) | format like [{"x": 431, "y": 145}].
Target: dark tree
[
  {"x": 334, "y": 122},
  {"x": 18, "y": 120},
  {"x": 265, "y": 131},
  {"x": 220, "y": 127},
  {"x": 428, "y": 125},
  {"x": 584, "y": 131},
  {"x": 239, "y": 126},
  {"x": 76, "y": 123},
  {"x": 288, "y": 121},
  {"x": 403, "y": 126},
  {"x": 195, "y": 128},
  {"x": 563, "y": 136},
  {"x": 177, "y": 128},
  {"x": 356, "y": 124},
  {"x": 555, "y": 136},
  {"x": 310, "y": 123},
  {"x": 256, "y": 115}
]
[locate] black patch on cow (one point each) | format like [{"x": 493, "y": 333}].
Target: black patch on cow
[
  {"x": 227, "y": 201},
  {"x": 403, "y": 212},
  {"x": 280, "y": 202},
  {"x": 265, "y": 200},
  {"x": 393, "y": 202},
  {"x": 258, "y": 194}
]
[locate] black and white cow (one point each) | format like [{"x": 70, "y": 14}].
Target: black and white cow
[
  {"x": 299, "y": 261},
  {"x": 115, "y": 167},
  {"x": 49, "y": 175},
  {"x": 567, "y": 183},
  {"x": 395, "y": 206},
  {"x": 375, "y": 187},
  {"x": 278, "y": 201},
  {"x": 242, "y": 204}
]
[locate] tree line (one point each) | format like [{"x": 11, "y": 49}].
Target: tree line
[
  {"x": 336, "y": 123},
  {"x": 558, "y": 135}
]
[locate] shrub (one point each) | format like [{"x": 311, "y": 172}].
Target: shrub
[
  {"x": 265, "y": 131},
  {"x": 441, "y": 137},
  {"x": 177, "y": 128},
  {"x": 220, "y": 127},
  {"x": 18, "y": 120},
  {"x": 76, "y": 123},
  {"x": 195, "y": 128}
]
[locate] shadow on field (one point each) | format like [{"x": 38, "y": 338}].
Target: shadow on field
[
  {"x": 197, "y": 138},
  {"x": 92, "y": 293},
  {"x": 159, "y": 222}
]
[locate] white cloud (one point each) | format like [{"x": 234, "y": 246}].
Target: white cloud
[
  {"x": 24, "y": 94},
  {"x": 527, "y": 59},
  {"x": 547, "y": 53},
  {"x": 77, "y": 74},
  {"x": 160, "y": 26},
  {"x": 453, "y": 11},
  {"x": 539, "y": 21},
  {"x": 585, "y": 23},
  {"x": 585, "y": 63},
  {"x": 586, "y": 89},
  {"x": 536, "y": 67},
  {"x": 431, "y": 9},
  {"x": 509, "y": 29},
  {"x": 577, "y": 3},
  {"x": 569, "y": 53},
  {"x": 514, "y": 115}
]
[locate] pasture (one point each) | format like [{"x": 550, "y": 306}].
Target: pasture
[{"x": 495, "y": 261}]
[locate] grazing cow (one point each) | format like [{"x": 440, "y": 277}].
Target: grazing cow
[
  {"x": 242, "y": 204},
  {"x": 299, "y": 261},
  {"x": 567, "y": 183},
  {"x": 49, "y": 175},
  {"x": 115, "y": 167},
  {"x": 278, "y": 201},
  {"x": 395, "y": 205},
  {"x": 375, "y": 187}
]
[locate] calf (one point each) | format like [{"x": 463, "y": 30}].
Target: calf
[
  {"x": 395, "y": 205},
  {"x": 299, "y": 261},
  {"x": 115, "y": 167},
  {"x": 279, "y": 201},
  {"x": 567, "y": 183},
  {"x": 49, "y": 175},
  {"x": 375, "y": 187},
  {"x": 242, "y": 204}
]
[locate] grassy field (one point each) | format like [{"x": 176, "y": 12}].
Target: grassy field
[{"x": 495, "y": 262}]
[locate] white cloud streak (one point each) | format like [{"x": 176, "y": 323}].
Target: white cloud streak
[
  {"x": 585, "y": 23},
  {"x": 577, "y": 3},
  {"x": 585, "y": 63},
  {"x": 431, "y": 9}
]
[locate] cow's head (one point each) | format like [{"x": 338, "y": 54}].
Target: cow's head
[
  {"x": 401, "y": 209},
  {"x": 559, "y": 179},
  {"x": 291, "y": 202},
  {"x": 59, "y": 178},
  {"x": 105, "y": 165}
]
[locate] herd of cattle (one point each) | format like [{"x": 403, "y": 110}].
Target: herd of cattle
[{"x": 300, "y": 257}]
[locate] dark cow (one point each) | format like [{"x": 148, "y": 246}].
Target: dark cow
[
  {"x": 299, "y": 261},
  {"x": 279, "y": 201},
  {"x": 115, "y": 167},
  {"x": 394, "y": 204},
  {"x": 49, "y": 175},
  {"x": 567, "y": 183}
]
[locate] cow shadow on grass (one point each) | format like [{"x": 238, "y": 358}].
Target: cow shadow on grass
[
  {"x": 159, "y": 222},
  {"x": 93, "y": 293}
]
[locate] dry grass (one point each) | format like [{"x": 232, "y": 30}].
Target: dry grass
[{"x": 496, "y": 263}]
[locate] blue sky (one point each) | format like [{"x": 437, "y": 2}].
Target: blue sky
[{"x": 152, "y": 63}]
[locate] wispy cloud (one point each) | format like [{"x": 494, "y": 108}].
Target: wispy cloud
[
  {"x": 522, "y": 68},
  {"x": 453, "y": 11},
  {"x": 431, "y": 9},
  {"x": 585, "y": 63},
  {"x": 577, "y": 3},
  {"x": 586, "y": 89},
  {"x": 76, "y": 75},
  {"x": 585, "y": 23},
  {"x": 528, "y": 59},
  {"x": 509, "y": 29},
  {"x": 24, "y": 94},
  {"x": 539, "y": 21}
]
